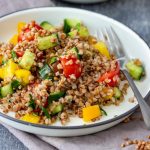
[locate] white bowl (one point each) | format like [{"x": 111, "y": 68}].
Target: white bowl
[{"x": 135, "y": 48}]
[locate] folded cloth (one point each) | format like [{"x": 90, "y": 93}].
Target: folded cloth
[
  {"x": 29, "y": 140},
  {"x": 110, "y": 139}
]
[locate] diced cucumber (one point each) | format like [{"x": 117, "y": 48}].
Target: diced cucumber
[
  {"x": 46, "y": 25},
  {"x": 7, "y": 89},
  {"x": 53, "y": 60},
  {"x": 70, "y": 23},
  {"x": 82, "y": 31},
  {"x": 15, "y": 84},
  {"x": 73, "y": 33},
  {"x": 76, "y": 51},
  {"x": 58, "y": 109},
  {"x": 45, "y": 72},
  {"x": 47, "y": 42},
  {"x": 27, "y": 60},
  {"x": 134, "y": 70},
  {"x": 117, "y": 93},
  {"x": 55, "y": 96}
]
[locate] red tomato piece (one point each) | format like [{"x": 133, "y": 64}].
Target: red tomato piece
[
  {"x": 71, "y": 66},
  {"x": 37, "y": 27},
  {"x": 111, "y": 76},
  {"x": 19, "y": 53},
  {"x": 26, "y": 30}
]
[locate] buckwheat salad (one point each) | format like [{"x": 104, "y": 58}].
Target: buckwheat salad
[{"x": 50, "y": 73}]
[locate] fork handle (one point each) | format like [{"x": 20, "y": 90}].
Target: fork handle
[{"x": 145, "y": 108}]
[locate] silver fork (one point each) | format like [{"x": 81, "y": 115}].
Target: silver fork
[{"x": 115, "y": 46}]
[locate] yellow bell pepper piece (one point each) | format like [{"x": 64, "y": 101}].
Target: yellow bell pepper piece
[
  {"x": 20, "y": 26},
  {"x": 1, "y": 58},
  {"x": 2, "y": 73},
  {"x": 31, "y": 118},
  {"x": 101, "y": 46},
  {"x": 23, "y": 75},
  {"x": 10, "y": 69},
  {"x": 14, "y": 39},
  {"x": 91, "y": 112}
]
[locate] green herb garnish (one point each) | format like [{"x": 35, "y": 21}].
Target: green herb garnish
[
  {"x": 4, "y": 62},
  {"x": 45, "y": 111},
  {"x": 104, "y": 112},
  {"x": 13, "y": 54},
  {"x": 32, "y": 102}
]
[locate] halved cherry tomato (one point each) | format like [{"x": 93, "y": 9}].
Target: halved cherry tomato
[
  {"x": 111, "y": 76},
  {"x": 20, "y": 53},
  {"x": 71, "y": 67}
]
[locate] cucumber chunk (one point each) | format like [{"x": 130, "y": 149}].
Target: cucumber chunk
[
  {"x": 57, "y": 109},
  {"x": 7, "y": 89},
  {"x": 134, "y": 70},
  {"x": 82, "y": 31},
  {"x": 73, "y": 33},
  {"x": 55, "y": 96},
  {"x": 70, "y": 23},
  {"x": 46, "y": 72},
  {"x": 27, "y": 60},
  {"x": 47, "y": 42},
  {"x": 117, "y": 93},
  {"x": 46, "y": 25}
]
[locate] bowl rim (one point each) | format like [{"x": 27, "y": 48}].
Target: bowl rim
[{"x": 76, "y": 126}]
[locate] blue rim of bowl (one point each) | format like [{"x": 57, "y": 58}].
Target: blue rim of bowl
[{"x": 80, "y": 126}]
